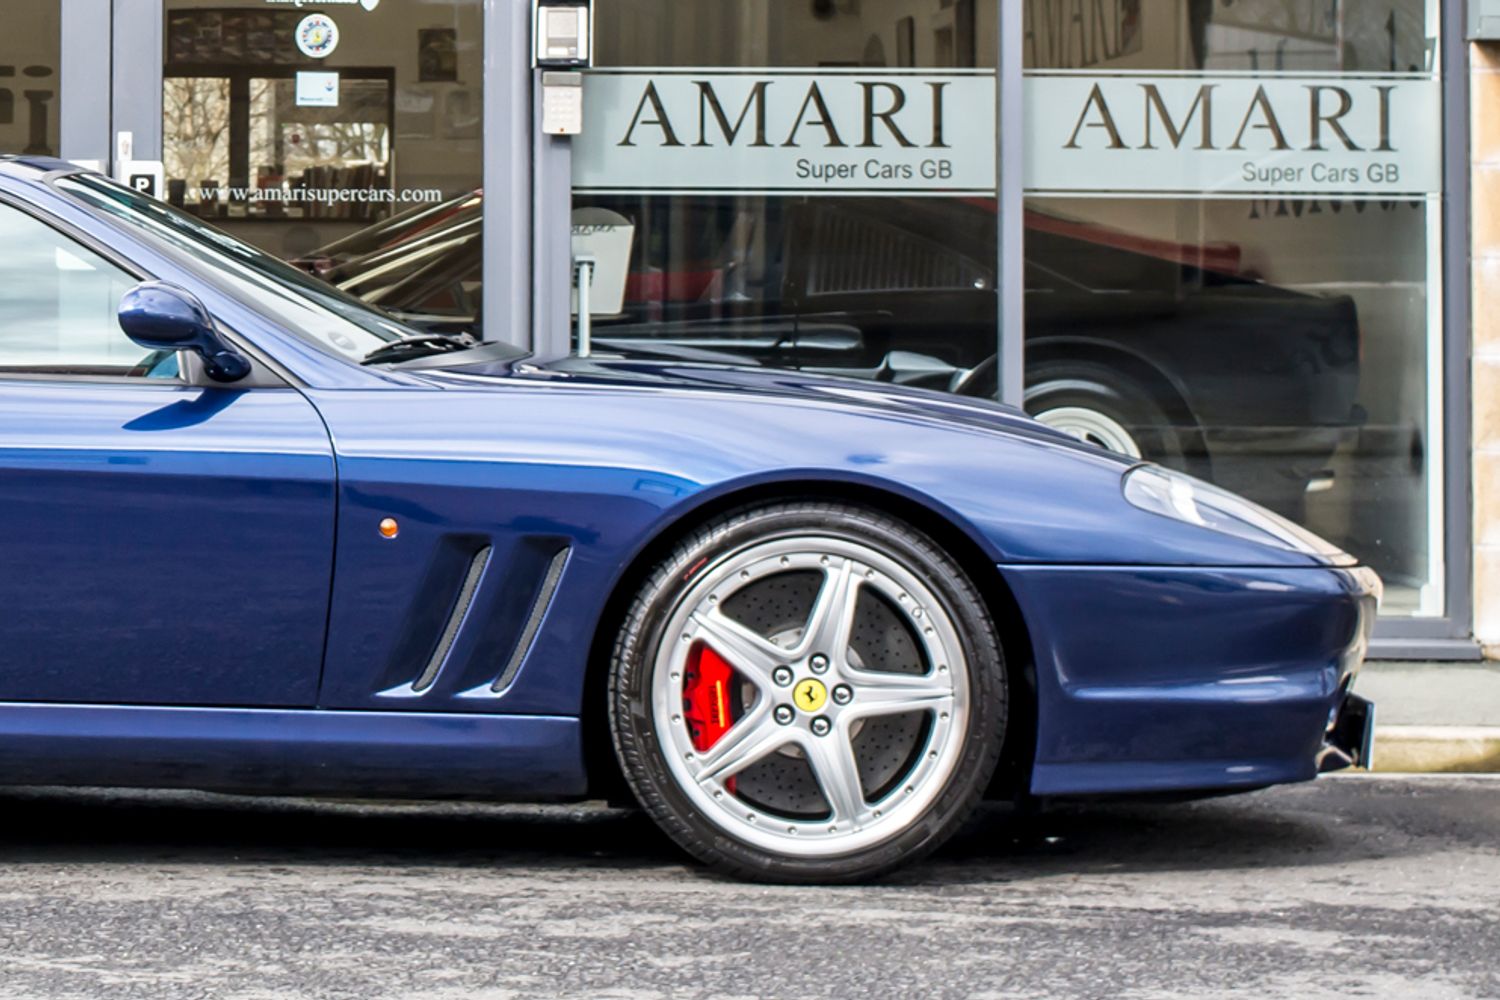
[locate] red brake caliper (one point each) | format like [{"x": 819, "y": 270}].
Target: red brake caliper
[{"x": 708, "y": 699}]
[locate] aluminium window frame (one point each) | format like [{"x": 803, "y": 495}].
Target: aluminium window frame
[
  {"x": 1450, "y": 637},
  {"x": 85, "y": 79}
]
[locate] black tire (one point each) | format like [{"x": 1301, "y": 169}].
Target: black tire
[
  {"x": 1115, "y": 397},
  {"x": 640, "y": 747}
]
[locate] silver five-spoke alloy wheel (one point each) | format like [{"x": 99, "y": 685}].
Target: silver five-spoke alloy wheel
[
  {"x": 809, "y": 691},
  {"x": 807, "y": 695}
]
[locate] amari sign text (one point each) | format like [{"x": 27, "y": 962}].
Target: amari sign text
[
  {"x": 1232, "y": 135},
  {"x": 834, "y": 132}
]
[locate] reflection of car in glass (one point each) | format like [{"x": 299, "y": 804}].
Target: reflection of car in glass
[
  {"x": 808, "y": 623},
  {"x": 1149, "y": 348}
]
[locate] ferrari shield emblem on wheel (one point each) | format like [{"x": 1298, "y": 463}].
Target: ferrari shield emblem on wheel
[{"x": 810, "y": 695}]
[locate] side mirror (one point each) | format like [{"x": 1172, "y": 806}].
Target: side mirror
[{"x": 163, "y": 317}]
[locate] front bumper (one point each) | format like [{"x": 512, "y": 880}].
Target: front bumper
[
  {"x": 1167, "y": 679},
  {"x": 1350, "y": 738}
]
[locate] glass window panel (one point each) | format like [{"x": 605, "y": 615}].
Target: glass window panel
[
  {"x": 195, "y": 139},
  {"x": 331, "y": 136},
  {"x": 1247, "y": 285},
  {"x": 60, "y": 302}
]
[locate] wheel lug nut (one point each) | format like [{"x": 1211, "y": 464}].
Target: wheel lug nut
[
  {"x": 821, "y": 726},
  {"x": 843, "y": 694},
  {"x": 784, "y": 714},
  {"x": 782, "y": 676},
  {"x": 819, "y": 663}
]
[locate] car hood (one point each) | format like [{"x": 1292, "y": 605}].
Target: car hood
[
  {"x": 768, "y": 384},
  {"x": 676, "y": 436}
]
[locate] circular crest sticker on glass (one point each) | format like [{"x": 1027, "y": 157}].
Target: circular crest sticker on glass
[{"x": 317, "y": 36}]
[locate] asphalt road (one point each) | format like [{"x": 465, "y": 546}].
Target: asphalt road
[{"x": 1352, "y": 887}]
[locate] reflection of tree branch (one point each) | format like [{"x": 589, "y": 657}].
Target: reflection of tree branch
[{"x": 195, "y": 113}]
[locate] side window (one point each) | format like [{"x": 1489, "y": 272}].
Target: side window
[{"x": 58, "y": 305}]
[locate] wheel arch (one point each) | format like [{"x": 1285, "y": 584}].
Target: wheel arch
[{"x": 604, "y": 776}]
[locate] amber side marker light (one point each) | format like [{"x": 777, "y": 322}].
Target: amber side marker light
[{"x": 389, "y": 528}]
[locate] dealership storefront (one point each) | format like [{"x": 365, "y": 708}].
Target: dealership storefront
[{"x": 1227, "y": 235}]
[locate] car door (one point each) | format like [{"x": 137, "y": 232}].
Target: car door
[{"x": 160, "y": 542}]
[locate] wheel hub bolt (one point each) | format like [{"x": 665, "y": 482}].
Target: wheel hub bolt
[
  {"x": 843, "y": 694},
  {"x": 821, "y": 726},
  {"x": 782, "y": 676},
  {"x": 784, "y": 714},
  {"x": 819, "y": 663}
]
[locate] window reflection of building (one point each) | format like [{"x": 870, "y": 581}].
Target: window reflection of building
[
  {"x": 290, "y": 173},
  {"x": 945, "y": 33},
  {"x": 35, "y": 118},
  {"x": 1065, "y": 34},
  {"x": 195, "y": 112}
]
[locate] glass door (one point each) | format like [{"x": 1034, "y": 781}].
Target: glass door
[{"x": 345, "y": 139}]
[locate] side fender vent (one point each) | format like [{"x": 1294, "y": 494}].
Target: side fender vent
[
  {"x": 539, "y": 605},
  {"x": 456, "y": 618}
]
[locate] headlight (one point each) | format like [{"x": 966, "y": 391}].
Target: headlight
[{"x": 1172, "y": 494}]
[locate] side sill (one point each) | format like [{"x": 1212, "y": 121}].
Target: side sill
[
  {"x": 298, "y": 751},
  {"x": 1147, "y": 778}
]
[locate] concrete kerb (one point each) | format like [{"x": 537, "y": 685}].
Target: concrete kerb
[
  {"x": 1434, "y": 717},
  {"x": 1437, "y": 749}
]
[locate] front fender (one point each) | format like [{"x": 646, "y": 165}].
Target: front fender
[{"x": 604, "y": 471}]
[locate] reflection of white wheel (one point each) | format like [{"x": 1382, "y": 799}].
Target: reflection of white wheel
[
  {"x": 1105, "y": 407},
  {"x": 1092, "y": 426},
  {"x": 808, "y": 693}
]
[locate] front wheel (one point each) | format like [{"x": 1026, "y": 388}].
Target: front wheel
[{"x": 808, "y": 692}]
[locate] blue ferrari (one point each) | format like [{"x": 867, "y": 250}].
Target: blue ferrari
[{"x": 265, "y": 538}]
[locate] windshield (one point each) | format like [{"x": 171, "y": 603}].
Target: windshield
[{"x": 325, "y": 317}]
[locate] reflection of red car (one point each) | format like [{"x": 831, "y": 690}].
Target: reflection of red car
[{"x": 1149, "y": 347}]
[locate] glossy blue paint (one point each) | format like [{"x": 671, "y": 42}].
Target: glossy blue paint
[
  {"x": 162, "y": 544},
  {"x": 293, "y": 751},
  {"x": 188, "y": 541},
  {"x": 608, "y": 456},
  {"x": 1172, "y": 678}
]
